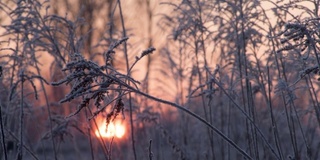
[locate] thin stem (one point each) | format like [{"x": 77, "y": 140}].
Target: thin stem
[
  {"x": 273, "y": 121},
  {"x": 101, "y": 141},
  {"x": 24, "y": 146},
  {"x": 246, "y": 115},
  {"x": 2, "y": 135},
  {"x": 150, "y": 150},
  {"x": 127, "y": 65},
  {"x": 49, "y": 111},
  {"x": 198, "y": 118},
  {"x": 90, "y": 137},
  {"x": 20, "y": 150}
]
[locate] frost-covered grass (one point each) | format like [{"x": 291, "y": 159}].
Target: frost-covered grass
[{"x": 231, "y": 80}]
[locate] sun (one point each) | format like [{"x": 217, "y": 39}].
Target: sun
[{"x": 115, "y": 129}]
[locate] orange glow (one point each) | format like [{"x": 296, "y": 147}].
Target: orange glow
[{"x": 115, "y": 129}]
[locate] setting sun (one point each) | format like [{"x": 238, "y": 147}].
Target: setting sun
[{"x": 115, "y": 129}]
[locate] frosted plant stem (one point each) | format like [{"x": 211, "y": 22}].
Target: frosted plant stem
[
  {"x": 21, "y": 119},
  {"x": 199, "y": 118},
  {"x": 49, "y": 112},
  {"x": 2, "y": 136},
  {"x": 128, "y": 70},
  {"x": 247, "y": 116}
]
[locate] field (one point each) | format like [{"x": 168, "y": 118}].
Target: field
[{"x": 159, "y": 79}]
